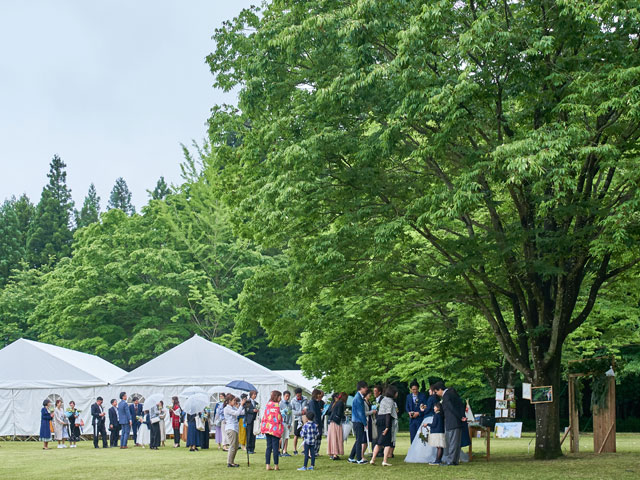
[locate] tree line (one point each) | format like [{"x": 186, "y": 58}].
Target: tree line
[{"x": 124, "y": 285}]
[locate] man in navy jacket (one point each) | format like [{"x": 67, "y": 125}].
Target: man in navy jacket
[
  {"x": 359, "y": 423},
  {"x": 114, "y": 424},
  {"x": 412, "y": 406},
  {"x": 124, "y": 418},
  {"x": 136, "y": 411}
]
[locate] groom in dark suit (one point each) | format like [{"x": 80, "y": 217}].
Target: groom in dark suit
[
  {"x": 114, "y": 424},
  {"x": 454, "y": 418},
  {"x": 412, "y": 406},
  {"x": 135, "y": 409}
]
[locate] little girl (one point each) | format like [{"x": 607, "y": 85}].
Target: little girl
[{"x": 436, "y": 433}]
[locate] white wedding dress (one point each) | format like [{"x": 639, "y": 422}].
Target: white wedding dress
[
  {"x": 420, "y": 452},
  {"x": 144, "y": 435}
]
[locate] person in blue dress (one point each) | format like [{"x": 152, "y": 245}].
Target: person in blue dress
[
  {"x": 45, "y": 424},
  {"x": 193, "y": 434}
]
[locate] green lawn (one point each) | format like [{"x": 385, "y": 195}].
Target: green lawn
[{"x": 27, "y": 460}]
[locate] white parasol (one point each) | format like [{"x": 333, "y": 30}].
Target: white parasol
[
  {"x": 196, "y": 403},
  {"x": 151, "y": 401}
]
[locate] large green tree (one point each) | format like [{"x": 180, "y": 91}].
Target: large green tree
[
  {"x": 412, "y": 155},
  {"x": 50, "y": 234},
  {"x": 123, "y": 294}
]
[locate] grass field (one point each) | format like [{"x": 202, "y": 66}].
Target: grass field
[{"x": 509, "y": 460}]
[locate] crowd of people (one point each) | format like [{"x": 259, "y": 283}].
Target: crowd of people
[{"x": 235, "y": 422}]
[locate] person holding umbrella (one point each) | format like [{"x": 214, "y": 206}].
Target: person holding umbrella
[
  {"x": 193, "y": 407},
  {"x": 151, "y": 405},
  {"x": 272, "y": 427},
  {"x": 232, "y": 411}
]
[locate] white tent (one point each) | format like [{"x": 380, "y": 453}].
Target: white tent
[
  {"x": 199, "y": 362},
  {"x": 32, "y": 371},
  {"x": 295, "y": 377}
]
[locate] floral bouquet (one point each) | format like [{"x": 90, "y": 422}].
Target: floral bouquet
[
  {"x": 139, "y": 419},
  {"x": 206, "y": 413},
  {"x": 424, "y": 434}
]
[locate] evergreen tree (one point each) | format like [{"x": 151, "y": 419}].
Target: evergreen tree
[
  {"x": 15, "y": 218},
  {"x": 50, "y": 233},
  {"x": 25, "y": 212},
  {"x": 90, "y": 212},
  {"x": 161, "y": 190},
  {"x": 120, "y": 198}
]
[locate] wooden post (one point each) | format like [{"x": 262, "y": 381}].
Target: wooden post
[
  {"x": 604, "y": 422},
  {"x": 574, "y": 426}
]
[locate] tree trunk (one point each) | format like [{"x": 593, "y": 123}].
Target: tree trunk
[{"x": 548, "y": 415}]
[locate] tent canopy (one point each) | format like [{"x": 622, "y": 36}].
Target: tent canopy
[
  {"x": 198, "y": 361},
  {"x": 295, "y": 377},
  {"x": 26, "y": 364}
]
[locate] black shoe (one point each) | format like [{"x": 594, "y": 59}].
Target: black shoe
[{"x": 232, "y": 465}]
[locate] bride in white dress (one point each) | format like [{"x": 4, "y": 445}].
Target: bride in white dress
[{"x": 421, "y": 452}]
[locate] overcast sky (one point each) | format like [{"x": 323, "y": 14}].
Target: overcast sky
[{"x": 113, "y": 87}]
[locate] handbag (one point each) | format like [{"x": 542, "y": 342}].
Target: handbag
[
  {"x": 155, "y": 420},
  {"x": 199, "y": 424}
]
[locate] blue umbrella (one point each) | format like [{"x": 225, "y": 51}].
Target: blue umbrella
[{"x": 241, "y": 385}]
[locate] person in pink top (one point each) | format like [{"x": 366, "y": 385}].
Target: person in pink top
[{"x": 272, "y": 427}]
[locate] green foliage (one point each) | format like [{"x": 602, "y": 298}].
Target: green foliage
[
  {"x": 90, "y": 212},
  {"x": 120, "y": 197},
  {"x": 15, "y": 221},
  {"x": 50, "y": 237},
  {"x": 18, "y": 299},
  {"x": 591, "y": 366},
  {"x": 421, "y": 166}
]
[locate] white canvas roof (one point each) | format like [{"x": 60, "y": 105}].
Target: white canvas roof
[
  {"x": 296, "y": 377},
  {"x": 26, "y": 364},
  {"x": 198, "y": 361}
]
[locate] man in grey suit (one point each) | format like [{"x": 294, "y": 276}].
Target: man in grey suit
[{"x": 454, "y": 418}]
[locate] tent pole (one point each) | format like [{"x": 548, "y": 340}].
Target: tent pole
[{"x": 13, "y": 410}]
